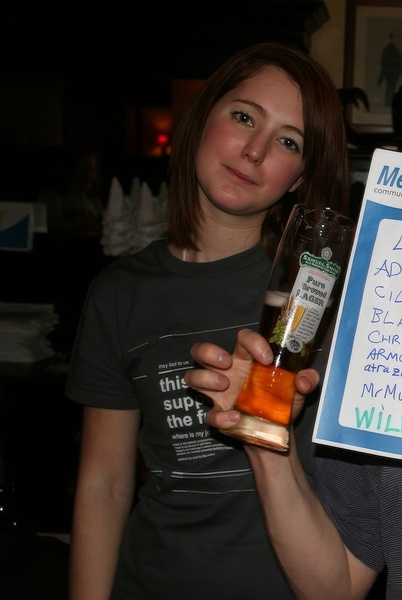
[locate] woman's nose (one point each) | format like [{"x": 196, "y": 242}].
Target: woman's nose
[{"x": 255, "y": 150}]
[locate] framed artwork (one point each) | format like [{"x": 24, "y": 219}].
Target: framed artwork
[{"x": 373, "y": 59}]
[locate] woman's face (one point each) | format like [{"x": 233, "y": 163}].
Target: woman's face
[{"x": 250, "y": 152}]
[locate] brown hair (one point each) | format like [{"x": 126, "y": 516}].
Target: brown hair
[{"x": 326, "y": 176}]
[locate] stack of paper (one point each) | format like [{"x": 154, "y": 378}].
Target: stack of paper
[{"x": 24, "y": 330}]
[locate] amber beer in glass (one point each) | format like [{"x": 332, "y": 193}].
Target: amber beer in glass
[{"x": 305, "y": 280}]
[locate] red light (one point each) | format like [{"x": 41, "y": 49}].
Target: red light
[{"x": 162, "y": 139}]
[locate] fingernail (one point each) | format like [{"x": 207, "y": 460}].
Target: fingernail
[
  {"x": 225, "y": 359},
  {"x": 267, "y": 356},
  {"x": 233, "y": 417}
]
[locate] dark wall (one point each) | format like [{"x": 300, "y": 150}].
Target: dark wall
[{"x": 106, "y": 57}]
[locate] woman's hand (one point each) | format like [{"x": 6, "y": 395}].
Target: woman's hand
[{"x": 223, "y": 375}]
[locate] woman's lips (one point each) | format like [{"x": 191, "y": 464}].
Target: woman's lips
[{"x": 240, "y": 176}]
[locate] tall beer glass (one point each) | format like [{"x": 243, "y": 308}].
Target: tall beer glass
[{"x": 305, "y": 280}]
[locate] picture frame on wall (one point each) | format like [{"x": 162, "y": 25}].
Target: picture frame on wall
[{"x": 373, "y": 60}]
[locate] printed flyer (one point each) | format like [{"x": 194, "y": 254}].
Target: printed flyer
[
  {"x": 361, "y": 400},
  {"x": 16, "y": 226}
]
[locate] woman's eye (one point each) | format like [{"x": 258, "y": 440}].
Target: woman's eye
[
  {"x": 242, "y": 117},
  {"x": 291, "y": 144}
]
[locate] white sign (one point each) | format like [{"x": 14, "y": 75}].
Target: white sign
[{"x": 361, "y": 401}]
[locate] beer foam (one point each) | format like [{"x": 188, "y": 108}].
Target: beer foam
[{"x": 275, "y": 298}]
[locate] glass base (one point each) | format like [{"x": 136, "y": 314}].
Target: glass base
[{"x": 260, "y": 432}]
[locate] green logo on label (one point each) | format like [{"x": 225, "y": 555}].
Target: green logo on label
[{"x": 316, "y": 262}]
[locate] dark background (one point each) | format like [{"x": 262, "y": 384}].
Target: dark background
[{"x": 111, "y": 55}]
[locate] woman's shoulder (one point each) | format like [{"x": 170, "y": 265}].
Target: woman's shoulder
[{"x": 126, "y": 269}]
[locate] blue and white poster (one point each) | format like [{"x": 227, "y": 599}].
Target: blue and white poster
[
  {"x": 16, "y": 226},
  {"x": 361, "y": 401}
]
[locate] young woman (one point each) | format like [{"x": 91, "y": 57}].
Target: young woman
[{"x": 265, "y": 130}]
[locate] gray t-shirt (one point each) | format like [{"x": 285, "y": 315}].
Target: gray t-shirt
[{"x": 196, "y": 531}]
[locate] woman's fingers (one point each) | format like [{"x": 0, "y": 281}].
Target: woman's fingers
[
  {"x": 222, "y": 419},
  {"x": 222, "y": 375},
  {"x": 211, "y": 356},
  {"x": 306, "y": 381}
]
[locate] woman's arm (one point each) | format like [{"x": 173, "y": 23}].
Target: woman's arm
[
  {"x": 103, "y": 499},
  {"x": 307, "y": 543}
]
